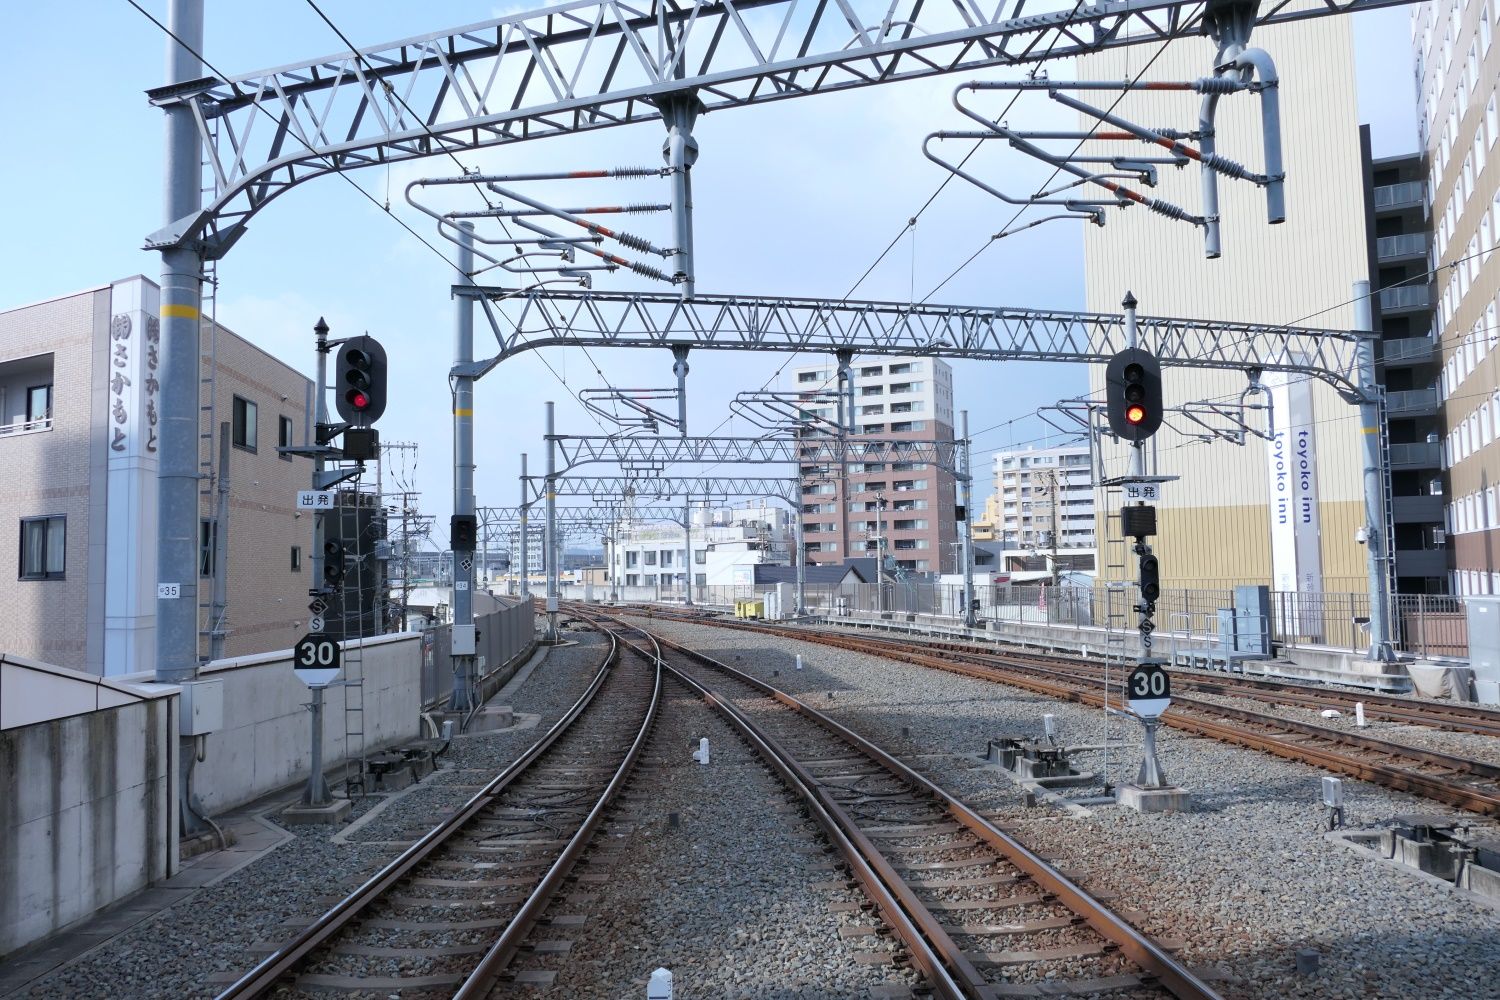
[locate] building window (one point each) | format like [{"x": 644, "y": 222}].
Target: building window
[
  {"x": 296, "y": 558},
  {"x": 631, "y": 557},
  {"x": 700, "y": 558},
  {"x": 207, "y": 541},
  {"x": 244, "y": 433},
  {"x": 804, "y": 377},
  {"x": 284, "y": 431},
  {"x": 38, "y": 407},
  {"x": 43, "y": 546},
  {"x": 651, "y": 557},
  {"x": 700, "y": 579}
]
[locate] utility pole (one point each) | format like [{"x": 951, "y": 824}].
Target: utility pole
[
  {"x": 525, "y": 537},
  {"x": 181, "y": 299},
  {"x": 880, "y": 551},
  {"x": 550, "y": 540},
  {"x": 462, "y": 535},
  {"x": 1376, "y": 475},
  {"x": 966, "y": 486}
]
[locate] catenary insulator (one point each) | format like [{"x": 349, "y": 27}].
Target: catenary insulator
[
  {"x": 1217, "y": 85},
  {"x": 635, "y": 172},
  {"x": 650, "y": 272},
  {"x": 1168, "y": 209},
  {"x": 633, "y": 242},
  {"x": 1226, "y": 166}
]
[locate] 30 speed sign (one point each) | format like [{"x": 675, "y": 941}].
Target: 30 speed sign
[
  {"x": 1148, "y": 689},
  {"x": 317, "y": 659}
]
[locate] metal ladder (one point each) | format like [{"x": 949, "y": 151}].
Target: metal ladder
[
  {"x": 1117, "y": 607},
  {"x": 208, "y": 422},
  {"x": 353, "y": 678}
]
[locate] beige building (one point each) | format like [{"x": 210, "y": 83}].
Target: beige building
[
  {"x": 78, "y": 414},
  {"x": 1456, "y": 69},
  {"x": 1236, "y": 515}
]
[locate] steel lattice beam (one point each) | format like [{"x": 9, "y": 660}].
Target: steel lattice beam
[
  {"x": 672, "y": 486},
  {"x": 597, "y": 63},
  {"x": 582, "y": 450},
  {"x": 511, "y": 516},
  {"x": 561, "y": 318}
]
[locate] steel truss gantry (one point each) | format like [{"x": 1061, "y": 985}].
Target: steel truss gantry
[
  {"x": 566, "y": 318},
  {"x": 576, "y": 450},
  {"x": 660, "y": 487},
  {"x": 592, "y": 64}
]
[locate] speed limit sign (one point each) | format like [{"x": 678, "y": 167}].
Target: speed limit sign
[
  {"x": 316, "y": 658},
  {"x": 1148, "y": 689}
]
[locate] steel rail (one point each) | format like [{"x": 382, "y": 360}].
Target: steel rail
[
  {"x": 1475, "y": 719},
  {"x": 1134, "y": 945},
  {"x": 495, "y": 961},
  {"x": 1439, "y": 790},
  {"x": 262, "y": 979},
  {"x": 880, "y": 882}
]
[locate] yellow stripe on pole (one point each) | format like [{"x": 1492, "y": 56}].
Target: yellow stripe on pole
[
  {"x": 1370, "y": 430},
  {"x": 179, "y": 311},
  {"x": 463, "y": 413}
]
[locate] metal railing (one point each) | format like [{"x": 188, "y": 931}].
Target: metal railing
[
  {"x": 24, "y": 426},
  {"x": 1419, "y": 453},
  {"x": 1406, "y": 244},
  {"x": 503, "y": 635},
  {"x": 1405, "y": 297},
  {"x": 1395, "y": 195},
  {"x": 1422, "y": 625},
  {"x": 1406, "y": 349},
  {"x": 1408, "y": 400}
]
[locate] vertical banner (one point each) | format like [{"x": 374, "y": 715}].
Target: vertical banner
[
  {"x": 1292, "y": 480},
  {"x": 132, "y": 372}
]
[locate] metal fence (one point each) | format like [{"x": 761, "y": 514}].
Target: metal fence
[
  {"x": 503, "y": 636},
  {"x": 1422, "y": 625}
]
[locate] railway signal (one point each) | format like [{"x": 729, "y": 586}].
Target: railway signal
[
  {"x": 1132, "y": 382},
  {"x": 359, "y": 379},
  {"x": 334, "y": 556}
]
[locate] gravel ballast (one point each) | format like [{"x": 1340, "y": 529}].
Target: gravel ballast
[
  {"x": 193, "y": 947},
  {"x": 735, "y": 899},
  {"x": 1245, "y": 880}
]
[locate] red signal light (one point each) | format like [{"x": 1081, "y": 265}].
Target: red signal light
[
  {"x": 1135, "y": 414},
  {"x": 358, "y": 400}
]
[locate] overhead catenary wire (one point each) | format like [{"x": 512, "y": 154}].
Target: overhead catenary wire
[{"x": 224, "y": 78}]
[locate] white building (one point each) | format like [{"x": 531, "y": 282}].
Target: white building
[
  {"x": 1042, "y": 496},
  {"x": 726, "y": 545}
]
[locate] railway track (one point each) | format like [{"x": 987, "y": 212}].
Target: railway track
[
  {"x": 445, "y": 917},
  {"x": 1450, "y": 779},
  {"x": 979, "y": 914}
]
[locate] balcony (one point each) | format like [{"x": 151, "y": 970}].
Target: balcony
[
  {"x": 1401, "y": 247},
  {"x": 1417, "y": 510},
  {"x": 1405, "y": 298},
  {"x": 1420, "y": 455},
  {"x": 1412, "y": 402},
  {"x": 1407, "y": 351},
  {"x": 1421, "y": 562},
  {"x": 1393, "y": 197}
]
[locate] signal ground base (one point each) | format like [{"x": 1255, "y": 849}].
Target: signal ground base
[
  {"x": 332, "y": 814},
  {"x": 1173, "y": 798}
]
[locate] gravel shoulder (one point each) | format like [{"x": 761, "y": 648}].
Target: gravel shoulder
[
  {"x": 1245, "y": 880},
  {"x": 189, "y": 949}
]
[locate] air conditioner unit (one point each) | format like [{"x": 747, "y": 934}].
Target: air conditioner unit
[{"x": 1439, "y": 536}]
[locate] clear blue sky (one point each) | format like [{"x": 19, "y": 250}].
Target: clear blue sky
[{"x": 795, "y": 198}]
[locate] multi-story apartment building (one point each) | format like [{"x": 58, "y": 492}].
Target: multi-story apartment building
[
  {"x": 1235, "y": 515},
  {"x": 909, "y": 505},
  {"x": 1044, "y": 499},
  {"x": 725, "y": 544},
  {"x": 1457, "y": 69},
  {"x": 78, "y": 439},
  {"x": 1400, "y": 240}
]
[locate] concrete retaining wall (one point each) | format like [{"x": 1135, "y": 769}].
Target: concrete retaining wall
[
  {"x": 266, "y": 742},
  {"x": 88, "y": 813}
]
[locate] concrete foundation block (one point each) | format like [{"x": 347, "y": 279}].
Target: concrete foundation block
[
  {"x": 1152, "y": 800},
  {"x": 332, "y": 814},
  {"x": 1484, "y": 881}
]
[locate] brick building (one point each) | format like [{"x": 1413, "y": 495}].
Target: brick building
[{"x": 78, "y": 412}]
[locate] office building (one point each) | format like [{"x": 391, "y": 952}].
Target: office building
[
  {"x": 1456, "y": 69},
  {"x": 910, "y": 505},
  {"x": 78, "y": 440}
]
